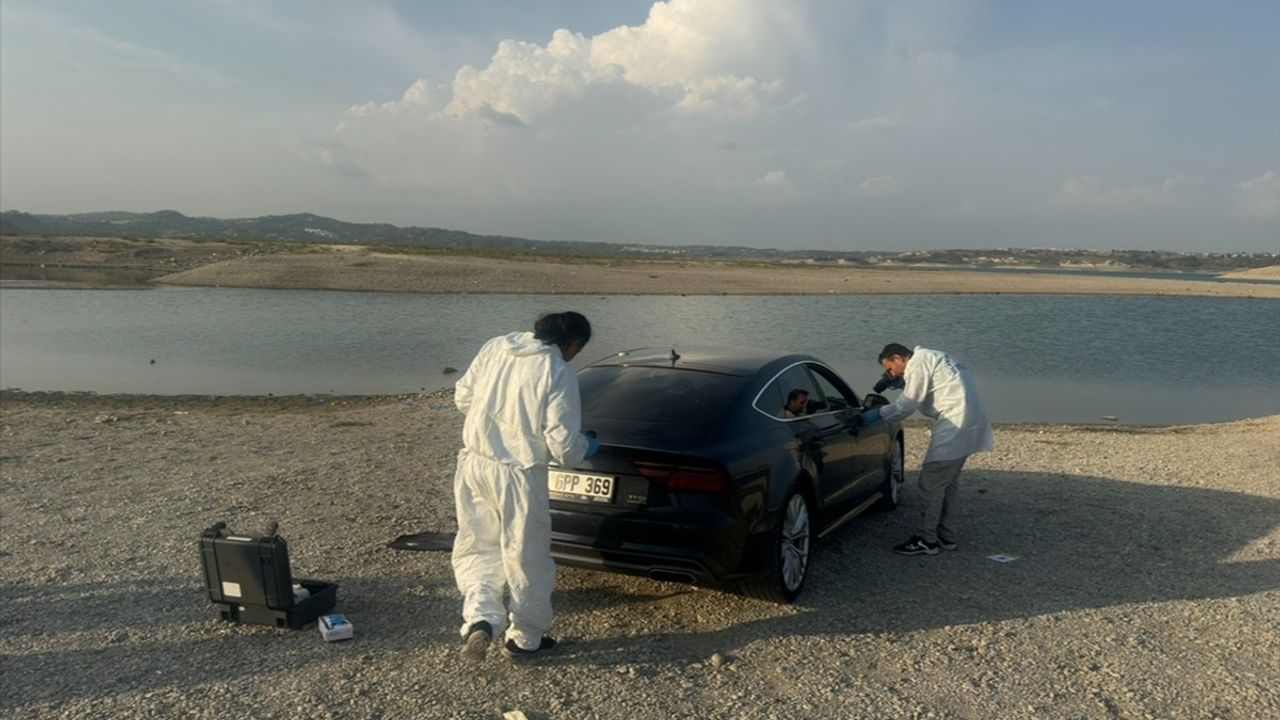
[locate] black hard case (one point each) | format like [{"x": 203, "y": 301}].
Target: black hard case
[{"x": 249, "y": 580}]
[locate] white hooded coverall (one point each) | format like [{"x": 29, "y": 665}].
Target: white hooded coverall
[
  {"x": 941, "y": 388},
  {"x": 523, "y": 411}
]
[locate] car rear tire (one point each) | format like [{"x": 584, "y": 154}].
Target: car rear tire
[
  {"x": 788, "y": 564},
  {"x": 894, "y": 476}
]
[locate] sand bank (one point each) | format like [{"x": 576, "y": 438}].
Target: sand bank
[
  {"x": 98, "y": 262},
  {"x": 1265, "y": 273},
  {"x": 457, "y": 274}
]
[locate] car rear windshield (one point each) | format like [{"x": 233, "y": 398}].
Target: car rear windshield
[{"x": 648, "y": 394}]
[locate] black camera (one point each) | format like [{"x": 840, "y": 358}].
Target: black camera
[{"x": 887, "y": 380}]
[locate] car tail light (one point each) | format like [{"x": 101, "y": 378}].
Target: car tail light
[{"x": 682, "y": 478}]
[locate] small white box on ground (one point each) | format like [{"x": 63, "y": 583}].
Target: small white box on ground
[{"x": 335, "y": 627}]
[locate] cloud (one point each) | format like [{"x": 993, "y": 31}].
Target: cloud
[
  {"x": 692, "y": 56},
  {"x": 776, "y": 185},
  {"x": 883, "y": 186},
  {"x": 1260, "y": 197},
  {"x": 636, "y": 110},
  {"x": 1086, "y": 191},
  {"x": 86, "y": 49},
  {"x": 759, "y": 112},
  {"x": 875, "y": 124},
  {"x": 927, "y": 59}
]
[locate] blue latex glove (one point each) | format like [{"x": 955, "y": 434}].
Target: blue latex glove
[
  {"x": 870, "y": 417},
  {"x": 593, "y": 447}
]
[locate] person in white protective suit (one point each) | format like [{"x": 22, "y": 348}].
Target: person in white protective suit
[
  {"x": 523, "y": 411},
  {"x": 940, "y": 387}
]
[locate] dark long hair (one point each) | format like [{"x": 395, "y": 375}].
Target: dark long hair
[{"x": 561, "y": 329}]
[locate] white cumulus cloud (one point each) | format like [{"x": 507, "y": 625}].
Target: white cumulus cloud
[{"x": 698, "y": 56}]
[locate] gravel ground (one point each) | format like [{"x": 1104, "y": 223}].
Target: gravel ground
[{"x": 1147, "y": 583}]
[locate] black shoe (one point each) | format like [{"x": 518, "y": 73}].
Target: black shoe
[
  {"x": 515, "y": 652},
  {"x": 479, "y": 635},
  {"x": 947, "y": 544},
  {"x": 916, "y": 546}
]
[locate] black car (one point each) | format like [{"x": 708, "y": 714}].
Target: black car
[{"x": 703, "y": 477}]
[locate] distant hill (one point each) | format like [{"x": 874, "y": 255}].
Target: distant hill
[{"x": 309, "y": 228}]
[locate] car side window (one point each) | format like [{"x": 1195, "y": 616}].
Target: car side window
[
  {"x": 773, "y": 400},
  {"x": 833, "y": 390}
]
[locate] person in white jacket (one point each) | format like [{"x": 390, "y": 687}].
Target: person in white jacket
[
  {"x": 523, "y": 411},
  {"x": 941, "y": 388}
]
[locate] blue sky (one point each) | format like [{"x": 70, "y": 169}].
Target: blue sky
[{"x": 830, "y": 124}]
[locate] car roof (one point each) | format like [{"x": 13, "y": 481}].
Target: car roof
[{"x": 728, "y": 361}]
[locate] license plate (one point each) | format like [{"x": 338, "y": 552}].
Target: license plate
[{"x": 579, "y": 487}]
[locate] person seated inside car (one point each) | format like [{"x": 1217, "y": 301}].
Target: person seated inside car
[{"x": 797, "y": 404}]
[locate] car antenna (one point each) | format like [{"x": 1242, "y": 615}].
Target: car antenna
[{"x": 674, "y": 357}]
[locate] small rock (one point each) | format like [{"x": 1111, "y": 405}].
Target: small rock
[
  {"x": 449, "y": 370},
  {"x": 717, "y": 661}
]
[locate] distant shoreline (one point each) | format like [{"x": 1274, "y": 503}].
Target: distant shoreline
[{"x": 106, "y": 263}]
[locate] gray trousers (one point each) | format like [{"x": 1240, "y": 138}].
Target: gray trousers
[{"x": 940, "y": 489}]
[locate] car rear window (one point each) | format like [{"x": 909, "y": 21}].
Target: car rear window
[{"x": 649, "y": 394}]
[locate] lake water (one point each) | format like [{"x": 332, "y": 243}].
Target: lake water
[{"x": 1036, "y": 358}]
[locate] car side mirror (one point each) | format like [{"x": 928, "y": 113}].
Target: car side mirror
[{"x": 872, "y": 400}]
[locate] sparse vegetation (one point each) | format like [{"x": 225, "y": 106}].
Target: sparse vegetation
[{"x": 302, "y": 233}]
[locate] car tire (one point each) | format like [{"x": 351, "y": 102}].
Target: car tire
[
  {"x": 895, "y": 476},
  {"x": 792, "y": 544}
]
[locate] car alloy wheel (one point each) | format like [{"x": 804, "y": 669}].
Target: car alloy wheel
[
  {"x": 894, "y": 477},
  {"x": 897, "y": 474},
  {"x": 795, "y": 543}
]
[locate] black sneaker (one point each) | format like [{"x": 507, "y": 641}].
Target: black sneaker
[
  {"x": 947, "y": 544},
  {"x": 916, "y": 546},
  {"x": 479, "y": 635},
  {"x": 515, "y": 652}
]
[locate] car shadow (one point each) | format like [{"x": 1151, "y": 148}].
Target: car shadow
[{"x": 1079, "y": 542}]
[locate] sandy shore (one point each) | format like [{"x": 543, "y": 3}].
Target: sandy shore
[
  {"x": 362, "y": 270},
  {"x": 339, "y": 267},
  {"x": 1147, "y": 584},
  {"x": 1265, "y": 273}
]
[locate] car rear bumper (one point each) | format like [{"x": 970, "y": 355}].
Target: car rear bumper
[
  {"x": 656, "y": 565},
  {"x": 705, "y": 548}
]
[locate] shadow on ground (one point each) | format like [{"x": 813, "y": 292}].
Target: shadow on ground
[{"x": 1081, "y": 543}]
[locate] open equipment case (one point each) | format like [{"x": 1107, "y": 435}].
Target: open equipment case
[{"x": 248, "y": 579}]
